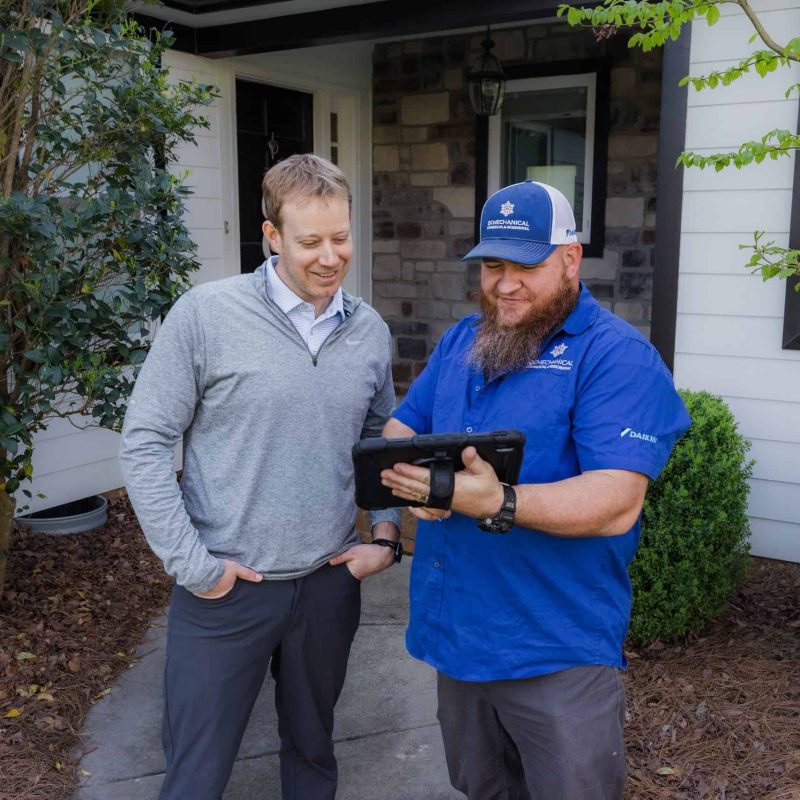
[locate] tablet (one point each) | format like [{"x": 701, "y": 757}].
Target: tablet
[{"x": 502, "y": 449}]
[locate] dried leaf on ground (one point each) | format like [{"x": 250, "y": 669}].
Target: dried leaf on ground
[
  {"x": 63, "y": 625},
  {"x": 716, "y": 715}
]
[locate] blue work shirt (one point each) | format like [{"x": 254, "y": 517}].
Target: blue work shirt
[{"x": 500, "y": 606}]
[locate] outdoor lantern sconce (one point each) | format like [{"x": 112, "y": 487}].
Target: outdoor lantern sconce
[{"x": 487, "y": 82}]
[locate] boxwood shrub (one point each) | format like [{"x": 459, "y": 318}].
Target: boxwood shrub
[{"x": 695, "y": 532}]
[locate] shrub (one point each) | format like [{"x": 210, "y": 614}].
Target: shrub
[
  {"x": 695, "y": 532},
  {"x": 93, "y": 247}
]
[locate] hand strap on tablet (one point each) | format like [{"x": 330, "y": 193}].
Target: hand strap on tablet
[{"x": 443, "y": 483}]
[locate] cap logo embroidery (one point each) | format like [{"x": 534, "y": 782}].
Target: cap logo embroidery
[{"x": 507, "y": 208}]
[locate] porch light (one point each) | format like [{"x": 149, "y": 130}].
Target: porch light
[{"x": 487, "y": 82}]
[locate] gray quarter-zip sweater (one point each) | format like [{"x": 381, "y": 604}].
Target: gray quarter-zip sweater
[{"x": 267, "y": 432}]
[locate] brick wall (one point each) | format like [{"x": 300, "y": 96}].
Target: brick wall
[{"x": 424, "y": 174}]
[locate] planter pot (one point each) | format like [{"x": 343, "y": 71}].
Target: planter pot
[{"x": 76, "y": 517}]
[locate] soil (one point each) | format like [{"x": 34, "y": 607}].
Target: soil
[{"x": 715, "y": 715}]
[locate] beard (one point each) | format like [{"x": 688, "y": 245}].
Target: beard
[{"x": 500, "y": 348}]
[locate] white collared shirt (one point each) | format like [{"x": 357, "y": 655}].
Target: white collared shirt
[{"x": 314, "y": 329}]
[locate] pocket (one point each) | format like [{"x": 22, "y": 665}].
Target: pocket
[{"x": 214, "y": 601}]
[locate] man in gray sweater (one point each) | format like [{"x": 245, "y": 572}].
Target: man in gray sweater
[{"x": 269, "y": 379}]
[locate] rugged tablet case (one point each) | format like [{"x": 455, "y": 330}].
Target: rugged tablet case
[{"x": 502, "y": 449}]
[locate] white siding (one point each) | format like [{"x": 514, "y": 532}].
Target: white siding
[{"x": 729, "y": 324}]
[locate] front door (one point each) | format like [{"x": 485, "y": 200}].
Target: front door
[{"x": 271, "y": 124}]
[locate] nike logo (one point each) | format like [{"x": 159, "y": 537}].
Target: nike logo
[{"x": 351, "y": 341}]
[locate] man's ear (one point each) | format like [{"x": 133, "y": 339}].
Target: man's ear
[
  {"x": 273, "y": 236},
  {"x": 571, "y": 256}
]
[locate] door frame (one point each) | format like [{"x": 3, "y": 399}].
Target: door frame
[{"x": 354, "y": 158}]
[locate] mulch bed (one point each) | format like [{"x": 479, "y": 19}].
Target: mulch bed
[
  {"x": 73, "y": 611},
  {"x": 716, "y": 715}
]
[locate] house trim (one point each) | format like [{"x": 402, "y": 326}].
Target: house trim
[
  {"x": 672, "y": 138},
  {"x": 791, "y": 310},
  {"x": 387, "y": 19}
]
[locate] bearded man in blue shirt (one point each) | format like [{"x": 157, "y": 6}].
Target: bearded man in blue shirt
[{"x": 524, "y": 617}]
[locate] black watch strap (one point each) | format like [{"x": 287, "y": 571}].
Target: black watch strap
[
  {"x": 503, "y": 520},
  {"x": 396, "y": 546}
]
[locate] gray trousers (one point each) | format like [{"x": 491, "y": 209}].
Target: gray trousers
[
  {"x": 218, "y": 652},
  {"x": 552, "y": 737}
]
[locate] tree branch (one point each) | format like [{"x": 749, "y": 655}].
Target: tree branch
[{"x": 762, "y": 31}]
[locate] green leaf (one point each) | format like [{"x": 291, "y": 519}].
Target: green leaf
[
  {"x": 712, "y": 16},
  {"x": 24, "y": 656},
  {"x": 106, "y": 247},
  {"x": 574, "y": 16}
]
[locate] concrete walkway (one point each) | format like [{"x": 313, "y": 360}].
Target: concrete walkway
[{"x": 387, "y": 737}]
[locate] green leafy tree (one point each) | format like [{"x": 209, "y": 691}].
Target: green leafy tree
[
  {"x": 92, "y": 246},
  {"x": 655, "y": 23}
]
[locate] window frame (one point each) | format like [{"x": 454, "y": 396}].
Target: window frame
[
  {"x": 791, "y": 308},
  {"x": 587, "y": 80},
  {"x": 488, "y": 136}
]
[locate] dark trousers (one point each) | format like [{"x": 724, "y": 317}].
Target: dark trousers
[
  {"x": 217, "y": 656},
  {"x": 553, "y": 737}
]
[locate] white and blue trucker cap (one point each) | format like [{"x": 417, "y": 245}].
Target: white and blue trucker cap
[{"x": 524, "y": 222}]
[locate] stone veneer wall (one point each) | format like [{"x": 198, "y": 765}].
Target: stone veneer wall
[{"x": 424, "y": 174}]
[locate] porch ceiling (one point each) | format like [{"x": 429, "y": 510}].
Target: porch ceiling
[
  {"x": 209, "y": 6},
  {"x": 358, "y": 22}
]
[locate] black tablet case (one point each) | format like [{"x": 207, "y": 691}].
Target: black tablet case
[{"x": 502, "y": 449}]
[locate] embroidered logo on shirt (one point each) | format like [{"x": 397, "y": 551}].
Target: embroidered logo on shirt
[
  {"x": 507, "y": 208},
  {"x": 562, "y": 364},
  {"x": 349, "y": 340},
  {"x": 632, "y": 434}
]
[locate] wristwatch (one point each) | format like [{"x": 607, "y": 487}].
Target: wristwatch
[
  {"x": 396, "y": 546},
  {"x": 503, "y": 520}
]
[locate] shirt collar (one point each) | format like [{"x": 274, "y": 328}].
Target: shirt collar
[
  {"x": 287, "y": 300},
  {"x": 584, "y": 313}
]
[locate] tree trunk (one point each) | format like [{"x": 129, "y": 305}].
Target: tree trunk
[{"x": 7, "y": 508}]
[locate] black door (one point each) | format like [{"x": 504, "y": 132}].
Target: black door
[{"x": 271, "y": 124}]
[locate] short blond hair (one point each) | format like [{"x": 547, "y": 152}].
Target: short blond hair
[{"x": 305, "y": 175}]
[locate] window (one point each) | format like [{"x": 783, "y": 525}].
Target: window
[{"x": 552, "y": 129}]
